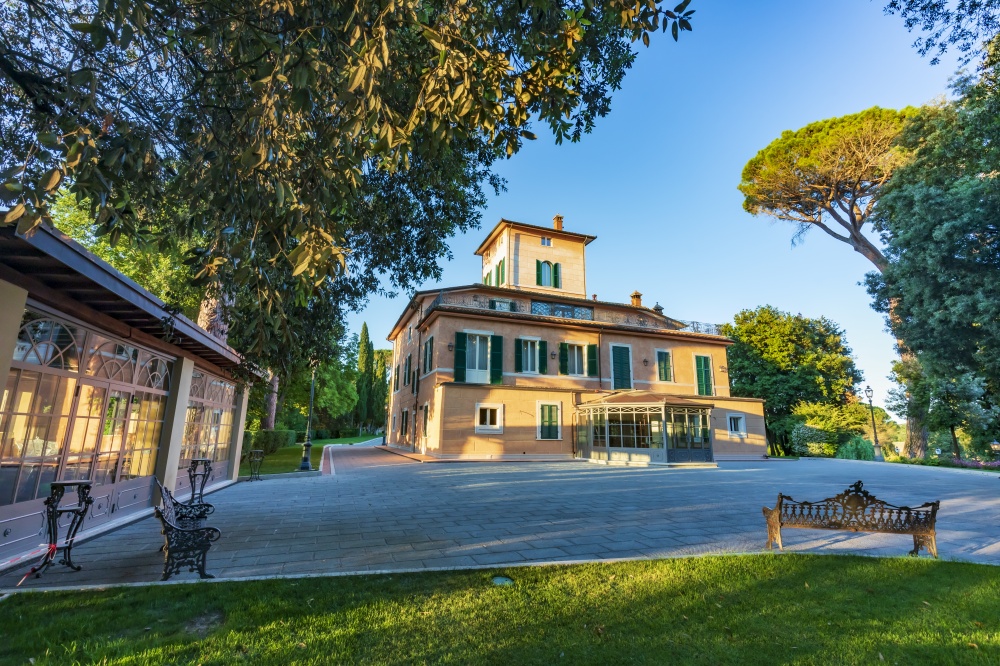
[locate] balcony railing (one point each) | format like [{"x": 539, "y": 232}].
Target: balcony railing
[
  {"x": 523, "y": 306},
  {"x": 702, "y": 327}
]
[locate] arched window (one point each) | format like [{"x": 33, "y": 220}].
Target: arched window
[{"x": 546, "y": 274}]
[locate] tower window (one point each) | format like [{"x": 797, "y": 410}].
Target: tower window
[{"x": 547, "y": 242}]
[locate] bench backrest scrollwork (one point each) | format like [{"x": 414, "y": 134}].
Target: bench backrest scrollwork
[{"x": 857, "y": 510}]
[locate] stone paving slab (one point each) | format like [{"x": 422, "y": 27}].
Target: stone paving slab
[{"x": 380, "y": 511}]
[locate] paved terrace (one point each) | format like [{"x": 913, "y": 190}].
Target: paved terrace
[{"x": 382, "y": 511}]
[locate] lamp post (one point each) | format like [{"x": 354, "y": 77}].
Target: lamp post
[
  {"x": 306, "y": 465},
  {"x": 869, "y": 393}
]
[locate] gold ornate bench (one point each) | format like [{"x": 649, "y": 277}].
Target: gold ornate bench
[{"x": 855, "y": 510}]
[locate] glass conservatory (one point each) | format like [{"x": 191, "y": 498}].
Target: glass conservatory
[{"x": 641, "y": 426}]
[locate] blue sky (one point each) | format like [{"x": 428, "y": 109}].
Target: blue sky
[{"x": 656, "y": 180}]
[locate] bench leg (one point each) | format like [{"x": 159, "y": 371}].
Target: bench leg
[
  {"x": 928, "y": 541},
  {"x": 773, "y": 528}
]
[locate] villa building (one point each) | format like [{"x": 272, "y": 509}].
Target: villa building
[{"x": 525, "y": 366}]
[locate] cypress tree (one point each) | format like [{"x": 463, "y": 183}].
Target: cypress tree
[{"x": 364, "y": 382}]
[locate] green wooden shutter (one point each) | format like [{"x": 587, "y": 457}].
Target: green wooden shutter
[
  {"x": 591, "y": 360},
  {"x": 503, "y": 272},
  {"x": 703, "y": 364},
  {"x": 563, "y": 358},
  {"x": 549, "y": 422},
  {"x": 543, "y": 357},
  {"x": 664, "y": 370},
  {"x": 622, "y": 368},
  {"x": 429, "y": 355},
  {"x": 538, "y": 272},
  {"x": 396, "y": 379},
  {"x": 518, "y": 360},
  {"x": 425, "y": 420},
  {"x": 496, "y": 359},
  {"x": 557, "y": 276},
  {"x": 461, "y": 341}
]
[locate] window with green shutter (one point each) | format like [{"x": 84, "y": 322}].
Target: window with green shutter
[
  {"x": 429, "y": 354},
  {"x": 395, "y": 379},
  {"x": 496, "y": 359},
  {"x": 543, "y": 357},
  {"x": 665, "y": 373},
  {"x": 426, "y": 411},
  {"x": 518, "y": 362},
  {"x": 548, "y": 421},
  {"x": 703, "y": 366},
  {"x": 557, "y": 276},
  {"x": 563, "y": 358},
  {"x": 406, "y": 372},
  {"x": 621, "y": 367},
  {"x": 538, "y": 272},
  {"x": 460, "y": 347},
  {"x": 591, "y": 360}
]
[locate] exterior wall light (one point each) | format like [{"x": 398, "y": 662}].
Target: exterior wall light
[
  {"x": 451, "y": 346},
  {"x": 553, "y": 354},
  {"x": 645, "y": 361}
]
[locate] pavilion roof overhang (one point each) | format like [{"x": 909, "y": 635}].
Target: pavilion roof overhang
[
  {"x": 639, "y": 398},
  {"x": 58, "y": 271}
]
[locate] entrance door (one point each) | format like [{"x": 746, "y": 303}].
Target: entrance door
[{"x": 688, "y": 438}]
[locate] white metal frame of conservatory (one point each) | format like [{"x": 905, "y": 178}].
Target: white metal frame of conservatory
[{"x": 644, "y": 432}]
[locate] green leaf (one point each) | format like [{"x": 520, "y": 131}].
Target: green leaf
[
  {"x": 685, "y": 24},
  {"x": 13, "y": 214},
  {"x": 681, "y": 7},
  {"x": 48, "y": 139},
  {"x": 50, "y": 180},
  {"x": 357, "y": 78},
  {"x": 673, "y": 30}
]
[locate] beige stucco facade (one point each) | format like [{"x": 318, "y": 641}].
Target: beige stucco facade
[{"x": 659, "y": 360}]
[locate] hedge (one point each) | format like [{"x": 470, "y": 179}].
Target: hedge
[{"x": 270, "y": 440}]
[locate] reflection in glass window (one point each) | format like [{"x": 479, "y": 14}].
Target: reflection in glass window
[{"x": 46, "y": 342}]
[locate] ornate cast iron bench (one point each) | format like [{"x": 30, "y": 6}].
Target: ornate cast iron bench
[
  {"x": 191, "y": 514},
  {"x": 855, "y": 510},
  {"x": 186, "y": 540}
]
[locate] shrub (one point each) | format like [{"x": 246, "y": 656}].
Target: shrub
[
  {"x": 809, "y": 441},
  {"x": 270, "y": 440},
  {"x": 350, "y": 432},
  {"x": 857, "y": 448},
  {"x": 322, "y": 433}
]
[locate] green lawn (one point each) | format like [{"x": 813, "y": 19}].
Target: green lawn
[
  {"x": 757, "y": 609},
  {"x": 289, "y": 458}
]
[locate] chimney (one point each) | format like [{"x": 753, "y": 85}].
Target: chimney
[
  {"x": 557, "y": 222},
  {"x": 636, "y": 299},
  {"x": 594, "y": 297},
  {"x": 658, "y": 309}
]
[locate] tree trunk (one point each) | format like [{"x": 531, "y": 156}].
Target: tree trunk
[
  {"x": 211, "y": 317},
  {"x": 270, "y": 404},
  {"x": 916, "y": 412},
  {"x": 956, "y": 451}
]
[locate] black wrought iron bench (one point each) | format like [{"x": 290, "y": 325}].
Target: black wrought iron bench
[
  {"x": 186, "y": 540},
  {"x": 855, "y": 510}
]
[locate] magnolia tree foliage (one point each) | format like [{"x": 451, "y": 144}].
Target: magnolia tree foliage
[
  {"x": 788, "y": 359},
  {"x": 939, "y": 222},
  {"x": 966, "y": 24},
  {"x": 273, "y": 128}
]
